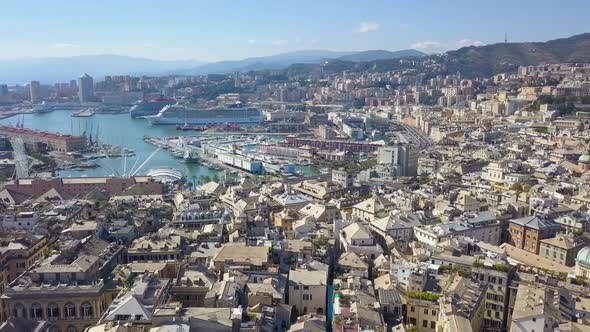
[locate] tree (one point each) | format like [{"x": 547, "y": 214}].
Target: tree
[
  {"x": 294, "y": 314},
  {"x": 517, "y": 187}
]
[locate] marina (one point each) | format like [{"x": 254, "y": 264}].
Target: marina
[
  {"x": 234, "y": 152},
  {"x": 119, "y": 141},
  {"x": 112, "y": 130}
]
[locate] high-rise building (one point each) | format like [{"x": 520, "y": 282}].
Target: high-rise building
[
  {"x": 85, "y": 88},
  {"x": 73, "y": 84},
  {"x": 403, "y": 157},
  {"x": 3, "y": 90},
  {"x": 35, "y": 88}
]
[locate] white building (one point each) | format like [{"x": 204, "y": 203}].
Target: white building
[
  {"x": 20, "y": 220},
  {"x": 307, "y": 291}
]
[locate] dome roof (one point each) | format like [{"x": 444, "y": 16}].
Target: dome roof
[
  {"x": 585, "y": 158},
  {"x": 583, "y": 256}
]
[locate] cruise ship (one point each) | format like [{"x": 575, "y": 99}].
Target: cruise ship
[
  {"x": 177, "y": 114},
  {"x": 151, "y": 107}
]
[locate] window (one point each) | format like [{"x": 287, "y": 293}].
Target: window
[
  {"x": 53, "y": 311},
  {"x": 305, "y": 287},
  {"x": 425, "y": 323},
  {"x": 36, "y": 311},
  {"x": 70, "y": 311},
  {"x": 412, "y": 309},
  {"x": 432, "y": 325},
  {"x": 296, "y": 287},
  {"x": 426, "y": 311},
  {"x": 87, "y": 311},
  {"x": 19, "y": 311},
  {"x": 433, "y": 312}
]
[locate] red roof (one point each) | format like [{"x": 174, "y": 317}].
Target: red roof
[{"x": 38, "y": 133}]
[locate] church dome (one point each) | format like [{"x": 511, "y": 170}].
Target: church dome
[
  {"x": 583, "y": 256},
  {"x": 585, "y": 158}
]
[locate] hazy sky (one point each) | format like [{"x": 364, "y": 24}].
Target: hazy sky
[{"x": 220, "y": 29}]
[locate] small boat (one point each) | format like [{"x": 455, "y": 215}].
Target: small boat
[
  {"x": 187, "y": 127},
  {"x": 88, "y": 165}
]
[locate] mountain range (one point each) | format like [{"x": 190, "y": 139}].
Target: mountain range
[
  {"x": 49, "y": 70},
  {"x": 484, "y": 61},
  {"x": 472, "y": 61}
]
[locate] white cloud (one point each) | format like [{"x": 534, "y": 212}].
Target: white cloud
[
  {"x": 279, "y": 43},
  {"x": 469, "y": 42},
  {"x": 367, "y": 27},
  {"x": 430, "y": 46},
  {"x": 64, "y": 45}
]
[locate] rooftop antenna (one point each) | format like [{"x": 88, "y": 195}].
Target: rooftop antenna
[{"x": 505, "y": 37}]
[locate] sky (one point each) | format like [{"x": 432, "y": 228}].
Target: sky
[{"x": 222, "y": 30}]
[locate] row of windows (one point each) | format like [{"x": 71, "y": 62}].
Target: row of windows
[
  {"x": 495, "y": 297},
  {"x": 424, "y": 323},
  {"x": 53, "y": 311},
  {"x": 496, "y": 314},
  {"x": 297, "y": 287},
  {"x": 413, "y": 309}
]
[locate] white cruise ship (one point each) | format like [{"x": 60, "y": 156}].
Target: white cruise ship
[{"x": 177, "y": 114}]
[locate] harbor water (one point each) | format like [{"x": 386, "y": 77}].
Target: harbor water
[{"x": 114, "y": 129}]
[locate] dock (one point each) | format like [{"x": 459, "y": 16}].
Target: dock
[{"x": 84, "y": 113}]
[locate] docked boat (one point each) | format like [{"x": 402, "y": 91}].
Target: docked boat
[
  {"x": 187, "y": 127},
  {"x": 175, "y": 114},
  {"x": 149, "y": 107},
  {"x": 190, "y": 157},
  {"x": 42, "y": 108},
  {"x": 88, "y": 165}
]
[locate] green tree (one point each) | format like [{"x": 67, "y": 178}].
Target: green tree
[{"x": 294, "y": 314}]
